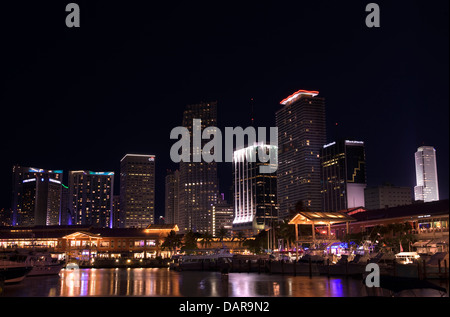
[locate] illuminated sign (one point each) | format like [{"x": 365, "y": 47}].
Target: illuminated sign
[
  {"x": 29, "y": 180},
  {"x": 101, "y": 173},
  {"x": 329, "y": 144},
  {"x": 54, "y": 181},
  {"x": 353, "y": 142}
]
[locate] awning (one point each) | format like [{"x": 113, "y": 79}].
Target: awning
[{"x": 320, "y": 218}]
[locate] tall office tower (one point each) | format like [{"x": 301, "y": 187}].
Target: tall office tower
[
  {"x": 255, "y": 193},
  {"x": 34, "y": 196},
  {"x": 65, "y": 216},
  {"x": 137, "y": 190},
  {"x": 426, "y": 174},
  {"x": 91, "y": 197},
  {"x": 343, "y": 174},
  {"x": 198, "y": 180},
  {"x": 301, "y": 135},
  {"x": 172, "y": 197}
]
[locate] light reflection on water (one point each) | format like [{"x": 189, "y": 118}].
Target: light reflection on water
[{"x": 164, "y": 282}]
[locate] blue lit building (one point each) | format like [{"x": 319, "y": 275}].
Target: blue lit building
[{"x": 36, "y": 196}]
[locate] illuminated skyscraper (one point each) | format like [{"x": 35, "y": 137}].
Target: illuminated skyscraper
[
  {"x": 343, "y": 175},
  {"x": 301, "y": 136},
  {"x": 255, "y": 193},
  {"x": 426, "y": 188},
  {"x": 36, "y": 196},
  {"x": 137, "y": 190},
  {"x": 198, "y": 180},
  {"x": 91, "y": 198}
]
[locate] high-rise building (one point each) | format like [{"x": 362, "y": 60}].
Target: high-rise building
[
  {"x": 36, "y": 196},
  {"x": 222, "y": 217},
  {"x": 301, "y": 136},
  {"x": 198, "y": 180},
  {"x": 172, "y": 197},
  {"x": 387, "y": 196},
  {"x": 255, "y": 193},
  {"x": 137, "y": 190},
  {"x": 65, "y": 216},
  {"x": 91, "y": 198},
  {"x": 426, "y": 188},
  {"x": 343, "y": 175},
  {"x": 117, "y": 218}
]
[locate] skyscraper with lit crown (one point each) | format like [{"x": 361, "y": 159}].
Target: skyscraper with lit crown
[
  {"x": 426, "y": 188},
  {"x": 301, "y": 136}
]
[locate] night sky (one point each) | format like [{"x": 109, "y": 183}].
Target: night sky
[{"x": 81, "y": 98}]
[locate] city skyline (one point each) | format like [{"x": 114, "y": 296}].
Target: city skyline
[{"x": 130, "y": 89}]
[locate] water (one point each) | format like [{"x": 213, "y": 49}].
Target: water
[{"x": 165, "y": 282}]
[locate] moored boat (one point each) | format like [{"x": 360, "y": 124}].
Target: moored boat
[{"x": 12, "y": 271}]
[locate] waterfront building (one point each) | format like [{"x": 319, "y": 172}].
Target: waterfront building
[
  {"x": 199, "y": 186},
  {"x": 301, "y": 136},
  {"x": 426, "y": 188},
  {"x": 87, "y": 242},
  {"x": 172, "y": 197},
  {"x": 427, "y": 221},
  {"x": 255, "y": 193},
  {"x": 91, "y": 198},
  {"x": 343, "y": 175},
  {"x": 387, "y": 196},
  {"x": 36, "y": 196},
  {"x": 137, "y": 190}
]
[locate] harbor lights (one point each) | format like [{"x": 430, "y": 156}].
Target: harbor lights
[{"x": 318, "y": 218}]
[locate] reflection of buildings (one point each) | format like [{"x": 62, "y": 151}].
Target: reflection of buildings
[
  {"x": 387, "y": 196},
  {"x": 301, "y": 135},
  {"x": 426, "y": 188},
  {"x": 36, "y": 196},
  {"x": 137, "y": 190},
  {"x": 343, "y": 174},
  {"x": 91, "y": 197},
  {"x": 255, "y": 193}
]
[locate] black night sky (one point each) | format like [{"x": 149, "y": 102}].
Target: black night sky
[{"x": 81, "y": 98}]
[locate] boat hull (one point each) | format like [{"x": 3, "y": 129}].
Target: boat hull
[
  {"x": 45, "y": 270},
  {"x": 13, "y": 275}
]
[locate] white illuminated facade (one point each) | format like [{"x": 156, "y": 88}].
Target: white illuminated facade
[
  {"x": 255, "y": 200},
  {"x": 426, "y": 188}
]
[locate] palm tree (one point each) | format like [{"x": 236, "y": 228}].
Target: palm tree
[
  {"x": 172, "y": 241},
  {"x": 241, "y": 237},
  {"x": 189, "y": 241},
  {"x": 287, "y": 232},
  {"x": 206, "y": 239},
  {"x": 222, "y": 233}
]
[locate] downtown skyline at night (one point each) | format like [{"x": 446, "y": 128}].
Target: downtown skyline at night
[
  {"x": 96, "y": 94},
  {"x": 216, "y": 149}
]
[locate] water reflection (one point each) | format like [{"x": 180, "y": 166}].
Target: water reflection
[{"x": 164, "y": 282}]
